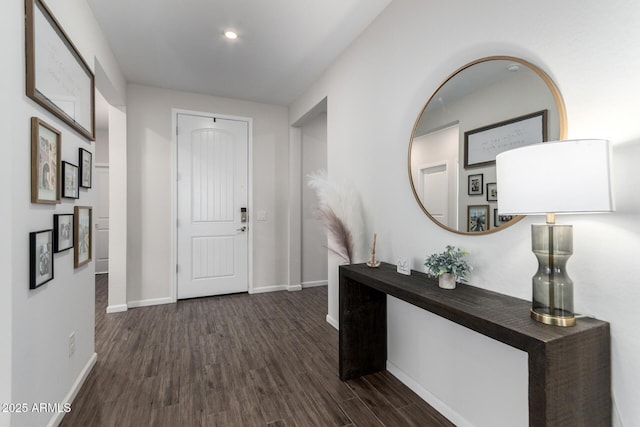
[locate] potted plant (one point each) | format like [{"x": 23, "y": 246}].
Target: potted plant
[{"x": 448, "y": 266}]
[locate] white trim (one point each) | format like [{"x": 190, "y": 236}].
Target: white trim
[
  {"x": 75, "y": 388},
  {"x": 148, "y": 302},
  {"x": 174, "y": 193},
  {"x": 333, "y": 322},
  {"x": 292, "y": 288},
  {"x": 117, "y": 308},
  {"x": 431, "y": 399},
  {"x": 102, "y": 165},
  {"x": 265, "y": 289},
  {"x": 315, "y": 283}
]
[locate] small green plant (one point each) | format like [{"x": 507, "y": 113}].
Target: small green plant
[{"x": 449, "y": 261}]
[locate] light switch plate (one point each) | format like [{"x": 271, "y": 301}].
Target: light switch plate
[{"x": 404, "y": 266}]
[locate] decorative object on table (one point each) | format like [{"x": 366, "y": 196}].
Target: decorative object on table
[
  {"x": 85, "y": 158},
  {"x": 492, "y": 192},
  {"x": 70, "y": 182},
  {"x": 62, "y": 232},
  {"x": 82, "y": 235},
  {"x": 482, "y": 145},
  {"x": 46, "y": 144},
  {"x": 403, "y": 266},
  {"x": 498, "y": 219},
  {"x": 340, "y": 213},
  {"x": 475, "y": 184},
  {"x": 559, "y": 177},
  {"x": 448, "y": 266},
  {"x": 57, "y": 76},
  {"x": 477, "y": 218},
  {"x": 40, "y": 258},
  {"x": 372, "y": 259}
]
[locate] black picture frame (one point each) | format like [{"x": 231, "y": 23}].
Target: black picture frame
[
  {"x": 40, "y": 258},
  {"x": 58, "y": 78},
  {"x": 498, "y": 220},
  {"x": 62, "y": 232},
  {"x": 70, "y": 178},
  {"x": 82, "y": 235},
  {"x": 475, "y": 185},
  {"x": 85, "y": 159},
  {"x": 492, "y": 192},
  {"x": 478, "y": 218},
  {"x": 482, "y": 145}
]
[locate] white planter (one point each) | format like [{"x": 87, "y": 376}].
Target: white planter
[{"x": 447, "y": 281}]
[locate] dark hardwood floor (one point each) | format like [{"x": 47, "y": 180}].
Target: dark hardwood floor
[{"x": 237, "y": 360}]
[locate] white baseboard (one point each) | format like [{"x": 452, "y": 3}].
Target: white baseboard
[
  {"x": 117, "y": 308},
  {"x": 269, "y": 289},
  {"x": 148, "y": 302},
  {"x": 333, "y": 322},
  {"x": 75, "y": 388},
  {"x": 431, "y": 399},
  {"x": 291, "y": 288},
  {"x": 314, "y": 284}
]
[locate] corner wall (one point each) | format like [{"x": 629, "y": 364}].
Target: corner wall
[
  {"x": 377, "y": 89},
  {"x": 149, "y": 137}
]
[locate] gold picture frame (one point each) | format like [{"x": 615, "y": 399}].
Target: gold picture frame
[{"x": 46, "y": 145}]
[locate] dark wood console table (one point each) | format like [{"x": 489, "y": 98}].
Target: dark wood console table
[{"x": 569, "y": 368}]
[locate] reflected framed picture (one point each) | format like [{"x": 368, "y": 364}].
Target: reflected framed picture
[
  {"x": 70, "y": 187},
  {"x": 40, "y": 258},
  {"x": 477, "y": 218},
  {"x": 46, "y": 143},
  {"x": 86, "y": 162},
  {"x": 498, "y": 220},
  {"x": 492, "y": 192},
  {"x": 82, "y": 235},
  {"x": 58, "y": 78},
  {"x": 475, "y": 185},
  {"x": 62, "y": 232}
]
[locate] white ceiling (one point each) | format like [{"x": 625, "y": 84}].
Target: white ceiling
[{"x": 283, "y": 45}]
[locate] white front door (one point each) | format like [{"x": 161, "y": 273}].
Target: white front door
[
  {"x": 212, "y": 191},
  {"x": 102, "y": 219}
]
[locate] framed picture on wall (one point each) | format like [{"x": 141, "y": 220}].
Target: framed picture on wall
[
  {"x": 86, "y": 162},
  {"x": 492, "y": 192},
  {"x": 58, "y": 78},
  {"x": 482, "y": 145},
  {"x": 82, "y": 235},
  {"x": 40, "y": 258},
  {"x": 498, "y": 220},
  {"x": 46, "y": 144},
  {"x": 475, "y": 187},
  {"x": 62, "y": 232},
  {"x": 70, "y": 187},
  {"x": 477, "y": 218}
]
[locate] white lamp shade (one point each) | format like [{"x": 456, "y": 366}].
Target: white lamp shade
[{"x": 555, "y": 177}]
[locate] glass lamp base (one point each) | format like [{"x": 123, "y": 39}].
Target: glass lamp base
[{"x": 552, "y": 302}]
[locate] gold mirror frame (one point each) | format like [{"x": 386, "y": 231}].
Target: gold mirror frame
[{"x": 562, "y": 123}]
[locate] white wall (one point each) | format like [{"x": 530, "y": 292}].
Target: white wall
[
  {"x": 102, "y": 147},
  {"x": 149, "y": 138},
  {"x": 35, "y": 324},
  {"x": 378, "y": 87},
  {"x": 314, "y": 240}
]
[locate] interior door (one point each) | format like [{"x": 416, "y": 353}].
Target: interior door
[
  {"x": 102, "y": 218},
  {"x": 212, "y": 191},
  {"x": 435, "y": 191}
]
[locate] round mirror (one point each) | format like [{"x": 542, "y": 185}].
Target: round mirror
[{"x": 486, "y": 107}]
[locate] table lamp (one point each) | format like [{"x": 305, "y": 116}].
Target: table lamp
[{"x": 559, "y": 177}]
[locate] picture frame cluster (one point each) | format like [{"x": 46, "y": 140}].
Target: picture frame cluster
[{"x": 55, "y": 67}]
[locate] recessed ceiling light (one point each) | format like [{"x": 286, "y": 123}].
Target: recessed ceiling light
[
  {"x": 513, "y": 68},
  {"x": 231, "y": 35}
]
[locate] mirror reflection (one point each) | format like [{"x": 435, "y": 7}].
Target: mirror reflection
[{"x": 486, "y": 107}]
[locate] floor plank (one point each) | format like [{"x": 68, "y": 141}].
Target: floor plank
[{"x": 235, "y": 360}]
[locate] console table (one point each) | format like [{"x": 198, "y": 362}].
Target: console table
[{"x": 569, "y": 367}]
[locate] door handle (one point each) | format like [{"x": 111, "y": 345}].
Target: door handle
[{"x": 243, "y": 228}]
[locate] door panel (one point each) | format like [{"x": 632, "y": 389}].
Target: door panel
[
  {"x": 212, "y": 189},
  {"x": 102, "y": 219}
]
